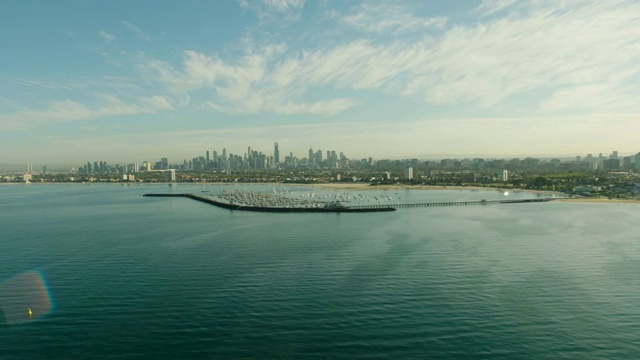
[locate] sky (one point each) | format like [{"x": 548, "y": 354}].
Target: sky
[{"x": 129, "y": 81}]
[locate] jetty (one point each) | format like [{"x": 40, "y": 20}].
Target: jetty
[
  {"x": 266, "y": 206},
  {"x": 277, "y": 203}
]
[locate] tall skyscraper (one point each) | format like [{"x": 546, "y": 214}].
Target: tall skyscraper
[
  {"x": 408, "y": 173},
  {"x": 504, "y": 175},
  {"x": 276, "y": 153},
  {"x": 223, "y": 160}
]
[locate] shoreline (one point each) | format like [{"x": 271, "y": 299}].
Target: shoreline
[
  {"x": 562, "y": 197},
  {"x": 429, "y": 187},
  {"x": 599, "y": 200}
]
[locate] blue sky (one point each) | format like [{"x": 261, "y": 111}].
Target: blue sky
[{"x": 127, "y": 81}]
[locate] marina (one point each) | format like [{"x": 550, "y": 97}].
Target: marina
[
  {"x": 266, "y": 202},
  {"x": 274, "y": 203}
]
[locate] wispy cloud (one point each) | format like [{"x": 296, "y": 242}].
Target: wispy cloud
[
  {"x": 488, "y": 7},
  {"x": 601, "y": 97},
  {"x": 70, "y": 110},
  {"x": 545, "y": 47},
  {"x": 117, "y": 85},
  {"x": 388, "y": 17},
  {"x": 245, "y": 87},
  {"x": 284, "y": 5},
  {"x": 106, "y": 36},
  {"x": 136, "y": 30},
  {"x": 265, "y": 8}
]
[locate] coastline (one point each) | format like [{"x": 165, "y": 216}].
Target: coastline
[
  {"x": 562, "y": 197},
  {"x": 427, "y": 187},
  {"x": 600, "y": 200}
]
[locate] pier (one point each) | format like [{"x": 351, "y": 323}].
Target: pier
[
  {"x": 458, "y": 203},
  {"x": 270, "y": 203}
]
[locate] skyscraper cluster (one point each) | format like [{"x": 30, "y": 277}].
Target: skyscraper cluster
[
  {"x": 254, "y": 159},
  {"x": 330, "y": 159}
]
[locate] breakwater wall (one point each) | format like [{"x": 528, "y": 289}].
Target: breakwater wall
[
  {"x": 354, "y": 208},
  {"x": 321, "y": 209}
]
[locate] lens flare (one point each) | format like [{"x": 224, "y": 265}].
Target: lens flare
[{"x": 25, "y": 297}]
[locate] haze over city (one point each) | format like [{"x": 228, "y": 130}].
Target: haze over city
[{"x": 127, "y": 81}]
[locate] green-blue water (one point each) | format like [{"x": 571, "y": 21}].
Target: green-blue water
[{"x": 136, "y": 277}]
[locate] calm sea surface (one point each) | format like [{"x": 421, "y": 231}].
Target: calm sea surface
[{"x": 136, "y": 277}]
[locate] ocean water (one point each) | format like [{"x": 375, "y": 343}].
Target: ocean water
[{"x": 112, "y": 274}]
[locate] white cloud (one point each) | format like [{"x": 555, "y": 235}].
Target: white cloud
[
  {"x": 284, "y": 5},
  {"x": 106, "y": 36},
  {"x": 69, "y": 110},
  {"x": 241, "y": 88},
  {"x": 544, "y": 47},
  {"x": 488, "y": 7},
  {"x": 549, "y": 48},
  {"x": 593, "y": 97},
  {"x": 290, "y": 9},
  {"x": 136, "y": 30},
  {"x": 389, "y": 17}
]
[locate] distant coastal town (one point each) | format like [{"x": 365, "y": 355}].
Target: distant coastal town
[{"x": 596, "y": 176}]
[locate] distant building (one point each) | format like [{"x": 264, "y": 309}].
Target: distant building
[
  {"x": 611, "y": 164},
  {"x": 408, "y": 173},
  {"x": 172, "y": 175},
  {"x": 504, "y": 175}
]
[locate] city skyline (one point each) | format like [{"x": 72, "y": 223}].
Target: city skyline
[
  {"x": 501, "y": 78},
  {"x": 255, "y": 158},
  {"x": 275, "y": 156}
]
